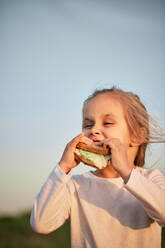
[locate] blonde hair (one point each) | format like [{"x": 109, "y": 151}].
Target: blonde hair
[{"x": 140, "y": 124}]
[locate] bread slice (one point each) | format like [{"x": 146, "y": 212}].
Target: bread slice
[
  {"x": 93, "y": 148},
  {"x": 94, "y": 156}
]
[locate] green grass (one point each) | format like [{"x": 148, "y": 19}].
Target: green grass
[
  {"x": 163, "y": 237},
  {"x": 16, "y": 232}
]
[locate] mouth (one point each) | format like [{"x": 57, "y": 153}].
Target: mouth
[{"x": 97, "y": 142}]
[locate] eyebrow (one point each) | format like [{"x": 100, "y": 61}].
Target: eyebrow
[
  {"x": 87, "y": 119},
  {"x": 111, "y": 115}
]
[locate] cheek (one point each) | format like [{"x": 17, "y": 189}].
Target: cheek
[
  {"x": 85, "y": 131},
  {"x": 112, "y": 133},
  {"x": 118, "y": 133},
  {"x": 126, "y": 138}
]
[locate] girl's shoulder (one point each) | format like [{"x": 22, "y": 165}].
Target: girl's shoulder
[
  {"x": 88, "y": 177},
  {"x": 83, "y": 176},
  {"x": 150, "y": 172}
]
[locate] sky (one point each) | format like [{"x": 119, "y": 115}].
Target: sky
[{"x": 54, "y": 54}]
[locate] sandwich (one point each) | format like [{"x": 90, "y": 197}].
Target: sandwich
[{"x": 95, "y": 156}]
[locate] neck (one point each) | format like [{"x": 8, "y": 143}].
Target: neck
[{"x": 107, "y": 172}]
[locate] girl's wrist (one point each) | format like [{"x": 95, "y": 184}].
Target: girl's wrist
[
  {"x": 126, "y": 174},
  {"x": 64, "y": 167}
]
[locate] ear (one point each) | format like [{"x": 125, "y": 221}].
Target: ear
[
  {"x": 140, "y": 139},
  {"x": 134, "y": 143}
]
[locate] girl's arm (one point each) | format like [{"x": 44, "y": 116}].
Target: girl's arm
[
  {"x": 52, "y": 205},
  {"x": 148, "y": 186}
]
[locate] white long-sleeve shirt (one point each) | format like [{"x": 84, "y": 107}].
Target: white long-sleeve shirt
[{"x": 103, "y": 213}]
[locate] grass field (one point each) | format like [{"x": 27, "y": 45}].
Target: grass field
[{"x": 15, "y": 232}]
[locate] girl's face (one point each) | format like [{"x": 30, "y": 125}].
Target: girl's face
[{"x": 103, "y": 117}]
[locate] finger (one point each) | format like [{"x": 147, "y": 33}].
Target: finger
[
  {"x": 111, "y": 143},
  {"x": 86, "y": 140},
  {"x": 77, "y": 159},
  {"x": 78, "y": 137},
  {"x": 75, "y": 141}
]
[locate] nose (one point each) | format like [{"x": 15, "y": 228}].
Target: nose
[{"x": 95, "y": 130}]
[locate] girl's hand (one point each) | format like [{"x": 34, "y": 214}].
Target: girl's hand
[
  {"x": 68, "y": 160},
  {"x": 119, "y": 157}
]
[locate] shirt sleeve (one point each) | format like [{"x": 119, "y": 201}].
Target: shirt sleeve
[
  {"x": 149, "y": 188},
  {"x": 52, "y": 205}
]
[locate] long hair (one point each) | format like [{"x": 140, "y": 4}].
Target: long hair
[{"x": 140, "y": 124}]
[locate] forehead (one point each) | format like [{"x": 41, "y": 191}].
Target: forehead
[{"x": 103, "y": 104}]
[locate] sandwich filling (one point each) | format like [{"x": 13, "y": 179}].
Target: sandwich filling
[{"x": 99, "y": 160}]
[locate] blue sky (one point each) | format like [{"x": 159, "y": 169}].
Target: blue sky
[{"x": 54, "y": 54}]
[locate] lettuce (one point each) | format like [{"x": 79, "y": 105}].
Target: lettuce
[{"x": 98, "y": 160}]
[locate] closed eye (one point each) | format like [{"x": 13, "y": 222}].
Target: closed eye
[
  {"x": 87, "y": 126},
  {"x": 108, "y": 123}
]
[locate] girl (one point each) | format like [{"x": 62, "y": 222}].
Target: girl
[{"x": 122, "y": 205}]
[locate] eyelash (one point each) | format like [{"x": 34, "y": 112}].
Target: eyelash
[
  {"x": 108, "y": 123},
  {"x": 105, "y": 123},
  {"x": 87, "y": 126}
]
